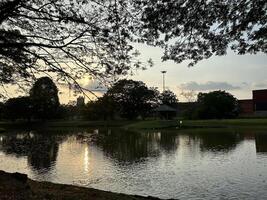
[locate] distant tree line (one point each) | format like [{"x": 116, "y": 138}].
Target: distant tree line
[
  {"x": 41, "y": 103},
  {"x": 126, "y": 99}
]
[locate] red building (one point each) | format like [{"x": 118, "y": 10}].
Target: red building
[
  {"x": 260, "y": 100},
  {"x": 246, "y": 107},
  {"x": 255, "y": 106}
]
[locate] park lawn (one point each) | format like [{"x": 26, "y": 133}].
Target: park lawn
[
  {"x": 226, "y": 123},
  {"x": 163, "y": 124},
  {"x": 63, "y": 124},
  {"x": 83, "y": 123},
  {"x": 153, "y": 124},
  {"x": 138, "y": 124}
]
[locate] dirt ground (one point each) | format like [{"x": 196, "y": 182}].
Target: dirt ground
[{"x": 16, "y": 186}]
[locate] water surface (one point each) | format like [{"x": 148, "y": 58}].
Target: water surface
[{"x": 196, "y": 164}]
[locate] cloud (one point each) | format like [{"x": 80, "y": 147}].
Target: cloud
[
  {"x": 262, "y": 84},
  {"x": 210, "y": 85},
  {"x": 94, "y": 86}
]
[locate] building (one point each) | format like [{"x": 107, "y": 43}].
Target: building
[
  {"x": 165, "y": 112},
  {"x": 246, "y": 107},
  {"x": 260, "y": 102},
  {"x": 80, "y": 101},
  {"x": 257, "y": 106}
]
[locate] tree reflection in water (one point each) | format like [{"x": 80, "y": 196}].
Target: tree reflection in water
[
  {"x": 127, "y": 146},
  {"x": 40, "y": 149}
]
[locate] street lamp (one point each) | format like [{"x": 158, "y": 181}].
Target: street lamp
[{"x": 163, "y": 74}]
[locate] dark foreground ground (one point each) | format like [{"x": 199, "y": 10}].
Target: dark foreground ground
[{"x": 15, "y": 186}]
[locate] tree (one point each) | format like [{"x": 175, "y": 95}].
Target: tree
[
  {"x": 169, "y": 98},
  {"x": 73, "y": 38},
  {"x": 217, "y": 104},
  {"x": 18, "y": 108},
  {"x": 197, "y": 29},
  {"x": 67, "y": 37},
  {"x": 189, "y": 95},
  {"x": 44, "y": 96},
  {"x": 133, "y": 98},
  {"x": 102, "y": 109}
]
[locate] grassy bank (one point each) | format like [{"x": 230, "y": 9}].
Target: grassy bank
[
  {"x": 152, "y": 124},
  {"x": 146, "y": 124},
  {"x": 225, "y": 123},
  {"x": 18, "y": 186},
  {"x": 64, "y": 124}
]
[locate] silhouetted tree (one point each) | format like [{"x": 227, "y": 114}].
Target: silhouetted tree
[
  {"x": 189, "y": 95},
  {"x": 69, "y": 38},
  {"x": 169, "y": 98},
  {"x": 18, "y": 108},
  {"x": 217, "y": 104},
  {"x": 44, "y": 96},
  {"x": 195, "y": 30},
  {"x": 102, "y": 109},
  {"x": 76, "y": 38},
  {"x": 133, "y": 98}
]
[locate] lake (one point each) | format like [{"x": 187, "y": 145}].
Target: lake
[{"x": 182, "y": 164}]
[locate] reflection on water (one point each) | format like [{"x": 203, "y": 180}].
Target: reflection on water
[
  {"x": 205, "y": 164},
  {"x": 261, "y": 143}
]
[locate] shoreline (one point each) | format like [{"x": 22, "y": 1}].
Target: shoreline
[
  {"x": 149, "y": 124},
  {"x": 17, "y": 186}
]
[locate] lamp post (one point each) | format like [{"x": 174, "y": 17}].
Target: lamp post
[{"x": 163, "y": 75}]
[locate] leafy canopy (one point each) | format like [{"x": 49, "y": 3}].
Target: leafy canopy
[
  {"x": 169, "y": 98},
  {"x": 217, "y": 105},
  {"x": 44, "y": 96},
  {"x": 133, "y": 98},
  {"x": 71, "y": 38}
]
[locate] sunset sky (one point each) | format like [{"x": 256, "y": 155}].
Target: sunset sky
[{"x": 237, "y": 74}]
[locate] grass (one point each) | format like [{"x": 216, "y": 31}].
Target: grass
[
  {"x": 65, "y": 124},
  {"x": 226, "y": 123},
  {"x": 153, "y": 124},
  {"x": 113, "y": 123},
  {"x": 146, "y": 124},
  {"x": 162, "y": 124},
  {"x": 2, "y": 130}
]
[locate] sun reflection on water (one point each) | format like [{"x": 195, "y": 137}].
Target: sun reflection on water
[{"x": 86, "y": 159}]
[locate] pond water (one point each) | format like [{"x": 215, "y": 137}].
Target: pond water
[{"x": 196, "y": 164}]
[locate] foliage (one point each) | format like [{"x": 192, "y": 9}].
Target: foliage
[
  {"x": 197, "y": 29},
  {"x": 169, "y": 98},
  {"x": 189, "y": 95},
  {"x": 44, "y": 96},
  {"x": 18, "y": 108},
  {"x": 217, "y": 105},
  {"x": 133, "y": 98},
  {"x": 102, "y": 109},
  {"x": 67, "y": 37},
  {"x": 73, "y": 38}
]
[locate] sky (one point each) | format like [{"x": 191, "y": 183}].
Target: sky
[{"x": 236, "y": 74}]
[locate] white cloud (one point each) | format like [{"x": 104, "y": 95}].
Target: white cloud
[{"x": 210, "y": 85}]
